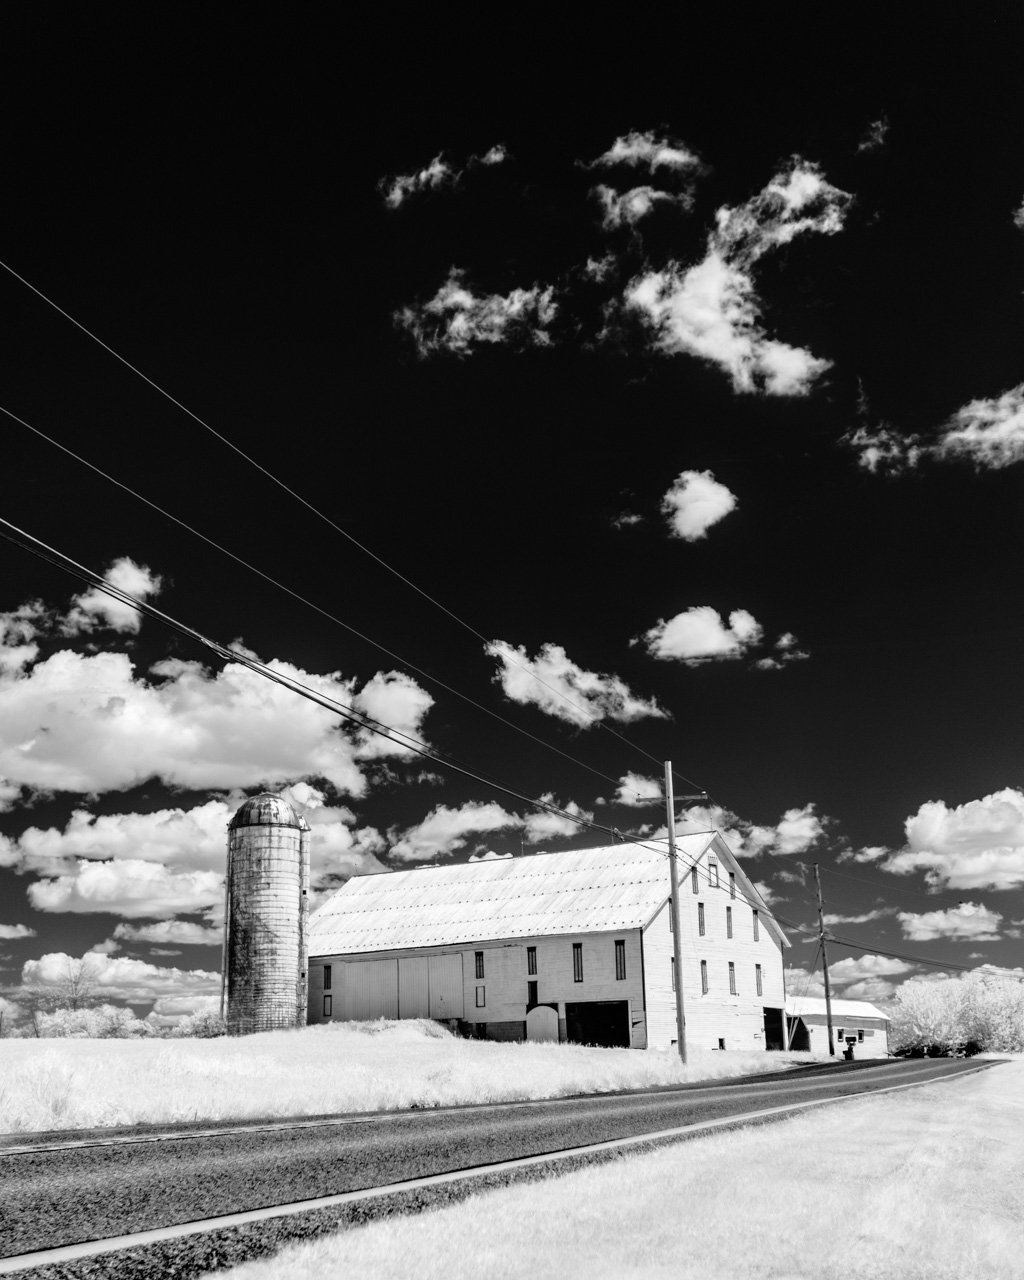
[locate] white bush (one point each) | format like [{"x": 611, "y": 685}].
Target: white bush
[
  {"x": 103, "y": 1023},
  {"x": 201, "y": 1026},
  {"x": 949, "y": 1014}
]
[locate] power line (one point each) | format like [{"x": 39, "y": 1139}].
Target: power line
[
  {"x": 295, "y": 595},
  {"x": 276, "y": 479},
  {"x": 59, "y": 559},
  {"x": 932, "y": 897}
]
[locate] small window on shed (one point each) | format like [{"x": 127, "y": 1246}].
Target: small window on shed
[
  {"x": 480, "y": 999},
  {"x": 757, "y": 979},
  {"x": 713, "y": 873},
  {"x": 732, "y": 884},
  {"x": 732, "y": 978},
  {"x": 531, "y": 959},
  {"x": 479, "y": 964},
  {"x": 327, "y": 977},
  {"x": 860, "y": 1037},
  {"x": 704, "y": 976},
  {"x": 839, "y": 1034},
  {"x": 577, "y": 962},
  {"x": 693, "y": 880},
  {"x": 620, "y": 959},
  {"x": 728, "y": 922},
  {"x": 327, "y": 1006},
  {"x": 757, "y": 931},
  {"x": 700, "y": 918}
]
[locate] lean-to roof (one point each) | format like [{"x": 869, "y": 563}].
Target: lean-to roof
[
  {"x": 842, "y": 1010},
  {"x": 620, "y": 886}
]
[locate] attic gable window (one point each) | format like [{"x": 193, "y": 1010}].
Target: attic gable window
[{"x": 713, "y": 873}]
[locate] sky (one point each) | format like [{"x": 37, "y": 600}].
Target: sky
[{"x": 585, "y": 400}]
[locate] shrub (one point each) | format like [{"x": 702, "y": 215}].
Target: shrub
[{"x": 200, "y": 1026}]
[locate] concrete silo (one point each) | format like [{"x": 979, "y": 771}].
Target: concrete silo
[{"x": 266, "y": 933}]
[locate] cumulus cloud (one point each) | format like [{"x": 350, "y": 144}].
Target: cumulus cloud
[
  {"x": 544, "y": 825},
  {"x": 786, "y": 650},
  {"x": 558, "y": 686},
  {"x": 645, "y": 150},
  {"x": 438, "y": 173},
  {"x": 627, "y": 208},
  {"x": 127, "y": 887},
  {"x": 455, "y": 319},
  {"x": 858, "y": 968},
  {"x": 695, "y": 502},
  {"x": 18, "y": 631},
  {"x": 489, "y": 856},
  {"x": 711, "y": 309},
  {"x": 874, "y": 136},
  {"x": 870, "y": 989},
  {"x": 122, "y": 978},
  {"x": 796, "y": 831},
  {"x": 699, "y": 635},
  {"x": 768, "y": 894},
  {"x": 970, "y": 920},
  {"x": 878, "y": 914},
  {"x": 637, "y": 791},
  {"x": 990, "y": 433},
  {"x": 183, "y": 932},
  {"x": 801, "y": 983},
  {"x": 978, "y": 845},
  {"x": 11, "y": 931},
  {"x": 87, "y": 723},
  {"x": 94, "y": 608},
  {"x": 445, "y": 830}
]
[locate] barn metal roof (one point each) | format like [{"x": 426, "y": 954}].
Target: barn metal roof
[
  {"x": 577, "y": 891},
  {"x": 801, "y": 1006}
]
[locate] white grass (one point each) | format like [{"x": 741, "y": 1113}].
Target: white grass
[
  {"x": 370, "y": 1066},
  {"x": 922, "y": 1185}
]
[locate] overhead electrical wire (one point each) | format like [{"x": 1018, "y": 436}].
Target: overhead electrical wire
[
  {"x": 321, "y": 515},
  {"x": 303, "y": 599},
  {"x": 35, "y": 546}
]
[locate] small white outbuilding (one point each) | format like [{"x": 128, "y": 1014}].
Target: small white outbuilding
[
  {"x": 574, "y": 945},
  {"x": 855, "y": 1024}
]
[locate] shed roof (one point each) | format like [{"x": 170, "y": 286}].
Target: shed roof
[
  {"x": 801, "y": 1006},
  {"x": 620, "y": 886}
]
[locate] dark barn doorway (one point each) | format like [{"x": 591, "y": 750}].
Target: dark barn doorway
[
  {"x": 774, "y": 1029},
  {"x": 799, "y": 1036},
  {"x": 600, "y": 1022}
]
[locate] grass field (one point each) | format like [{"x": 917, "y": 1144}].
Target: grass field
[
  {"x": 372, "y": 1066},
  {"x": 923, "y": 1185}
]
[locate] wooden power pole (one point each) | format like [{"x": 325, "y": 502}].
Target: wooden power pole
[
  {"x": 824, "y": 965},
  {"x": 677, "y": 951}
]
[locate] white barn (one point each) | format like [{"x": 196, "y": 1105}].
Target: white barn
[
  {"x": 574, "y": 945},
  {"x": 855, "y": 1023}
]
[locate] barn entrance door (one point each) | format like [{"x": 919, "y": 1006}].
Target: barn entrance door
[
  {"x": 600, "y": 1022},
  {"x": 774, "y": 1029},
  {"x": 446, "y": 992},
  {"x": 542, "y": 1023}
]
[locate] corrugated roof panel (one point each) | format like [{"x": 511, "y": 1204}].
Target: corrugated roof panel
[{"x": 578, "y": 891}]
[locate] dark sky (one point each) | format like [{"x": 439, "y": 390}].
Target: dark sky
[{"x": 208, "y": 196}]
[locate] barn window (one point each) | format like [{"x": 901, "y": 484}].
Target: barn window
[
  {"x": 327, "y": 1006},
  {"x": 704, "y": 976},
  {"x": 757, "y": 931},
  {"x": 757, "y": 978},
  {"x": 620, "y": 959},
  {"x": 327, "y": 977},
  {"x": 577, "y": 962},
  {"x": 531, "y": 994},
  {"x": 700, "y": 918},
  {"x": 693, "y": 880},
  {"x": 673, "y": 963},
  {"x": 732, "y": 978},
  {"x": 732, "y": 884},
  {"x": 531, "y": 959},
  {"x": 713, "y": 873},
  {"x": 728, "y": 922},
  {"x": 479, "y": 964},
  {"x": 480, "y": 1001}
]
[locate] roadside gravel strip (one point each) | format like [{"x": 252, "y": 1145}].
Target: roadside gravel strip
[{"x": 225, "y": 1187}]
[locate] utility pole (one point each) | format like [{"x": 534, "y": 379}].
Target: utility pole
[
  {"x": 824, "y": 965},
  {"x": 677, "y": 951}
]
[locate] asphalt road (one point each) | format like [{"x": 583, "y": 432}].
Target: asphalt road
[{"x": 53, "y": 1195}]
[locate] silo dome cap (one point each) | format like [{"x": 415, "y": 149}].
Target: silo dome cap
[{"x": 266, "y": 810}]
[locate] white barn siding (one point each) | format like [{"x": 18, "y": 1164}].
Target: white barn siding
[
  {"x": 736, "y": 1019},
  {"x": 875, "y": 1030}
]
